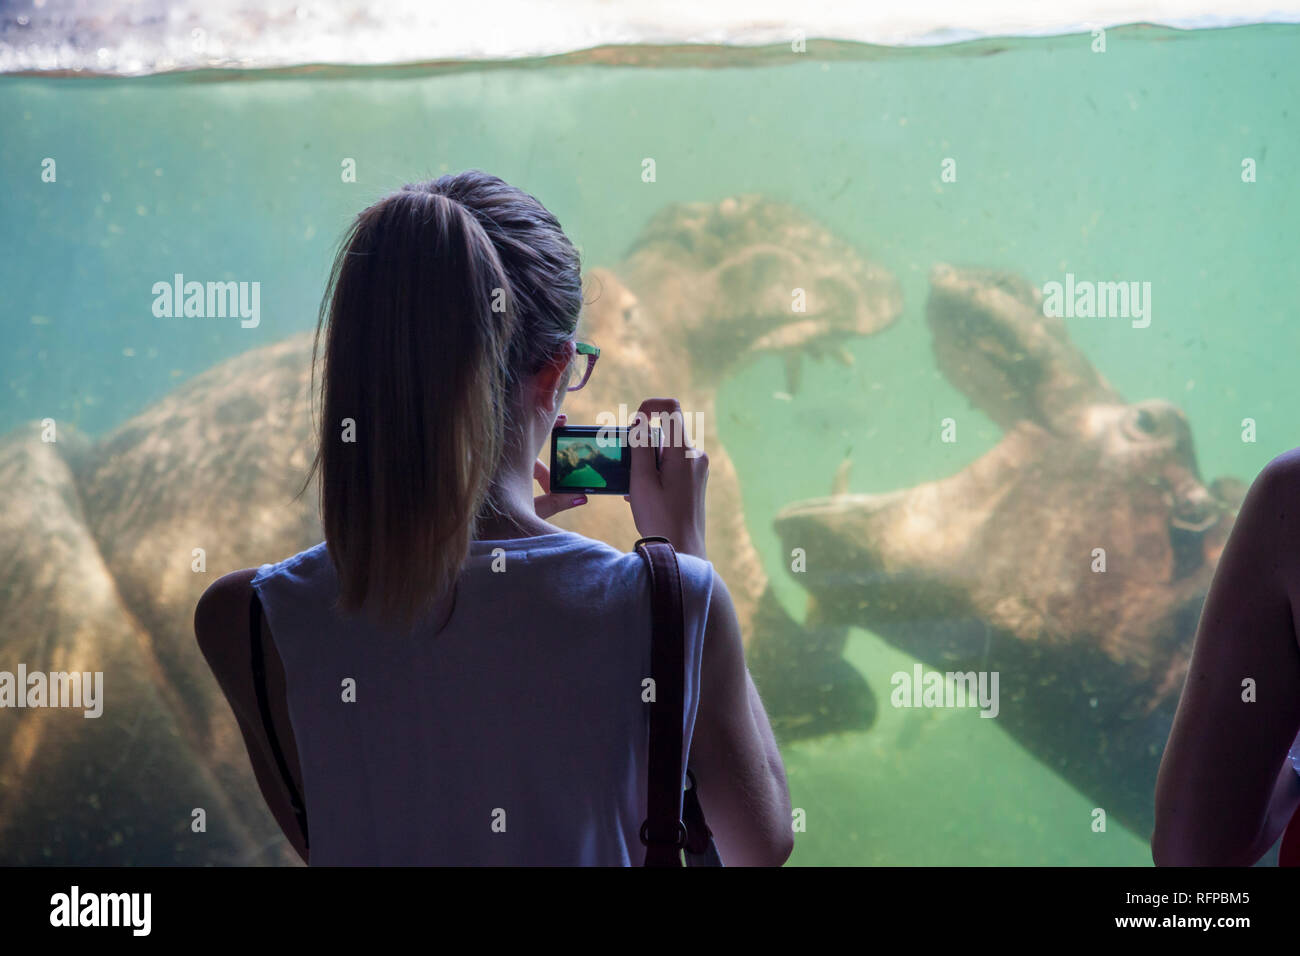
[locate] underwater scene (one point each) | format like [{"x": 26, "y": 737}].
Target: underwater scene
[{"x": 985, "y": 342}]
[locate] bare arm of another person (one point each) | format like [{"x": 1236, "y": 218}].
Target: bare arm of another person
[
  {"x": 742, "y": 785},
  {"x": 1226, "y": 789}
]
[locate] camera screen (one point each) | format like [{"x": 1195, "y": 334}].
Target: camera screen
[{"x": 592, "y": 460}]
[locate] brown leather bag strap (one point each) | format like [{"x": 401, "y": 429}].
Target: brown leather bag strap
[
  {"x": 663, "y": 833},
  {"x": 700, "y": 848}
]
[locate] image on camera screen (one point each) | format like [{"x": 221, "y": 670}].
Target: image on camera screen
[{"x": 591, "y": 462}]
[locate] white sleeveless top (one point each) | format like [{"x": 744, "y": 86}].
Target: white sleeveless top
[{"x": 517, "y": 735}]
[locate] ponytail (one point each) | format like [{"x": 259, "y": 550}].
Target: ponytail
[{"x": 434, "y": 308}]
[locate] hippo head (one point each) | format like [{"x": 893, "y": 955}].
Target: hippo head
[
  {"x": 1085, "y": 532},
  {"x": 710, "y": 285}
]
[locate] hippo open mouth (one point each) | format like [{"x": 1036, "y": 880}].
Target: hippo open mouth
[
  {"x": 846, "y": 310},
  {"x": 816, "y": 339},
  {"x": 1073, "y": 557},
  {"x": 757, "y": 276}
]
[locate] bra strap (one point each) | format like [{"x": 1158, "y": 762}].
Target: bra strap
[{"x": 264, "y": 705}]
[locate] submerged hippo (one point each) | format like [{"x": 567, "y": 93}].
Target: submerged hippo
[
  {"x": 1000, "y": 567},
  {"x": 216, "y": 466}
]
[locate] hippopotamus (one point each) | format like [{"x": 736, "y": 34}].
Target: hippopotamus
[
  {"x": 208, "y": 480},
  {"x": 1072, "y": 559}
]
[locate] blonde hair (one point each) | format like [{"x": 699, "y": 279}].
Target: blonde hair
[{"x": 443, "y": 295}]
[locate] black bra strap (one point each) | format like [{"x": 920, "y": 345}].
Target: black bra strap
[{"x": 264, "y": 705}]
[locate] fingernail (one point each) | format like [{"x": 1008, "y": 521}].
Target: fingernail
[{"x": 580, "y": 500}]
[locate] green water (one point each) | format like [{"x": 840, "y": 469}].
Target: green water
[
  {"x": 586, "y": 477},
  {"x": 1124, "y": 164}
]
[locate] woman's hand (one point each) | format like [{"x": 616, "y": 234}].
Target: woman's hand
[
  {"x": 669, "y": 501},
  {"x": 549, "y": 504}
]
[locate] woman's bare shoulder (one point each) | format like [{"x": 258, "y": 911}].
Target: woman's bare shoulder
[{"x": 222, "y": 611}]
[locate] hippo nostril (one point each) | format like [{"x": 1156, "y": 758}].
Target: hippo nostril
[
  {"x": 1146, "y": 421},
  {"x": 1195, "y": 522},
  {"x": 1195, "y": 510}
]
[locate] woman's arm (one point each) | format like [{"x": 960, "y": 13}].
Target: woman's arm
[
  {"x": 221, "y": 627},
  {"x": 742, "y": 784},
  {"x": 1225, "y": 789}
]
